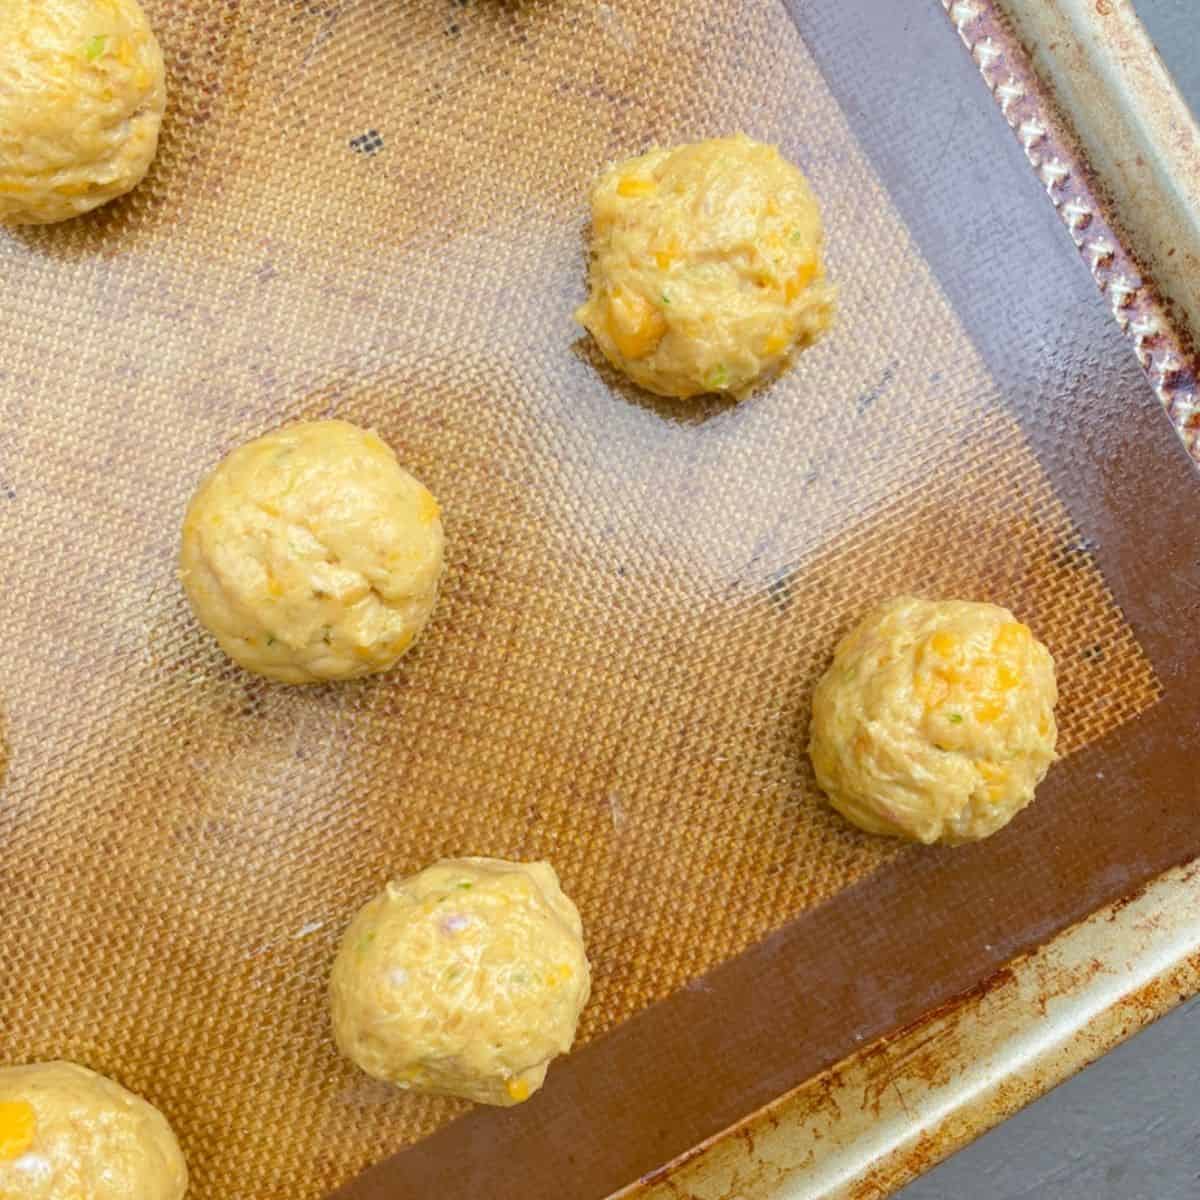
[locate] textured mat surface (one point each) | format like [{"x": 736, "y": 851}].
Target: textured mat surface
[{"x": 375, "y": 209}]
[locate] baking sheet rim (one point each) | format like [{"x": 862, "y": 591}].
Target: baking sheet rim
[{"x": 879, "y": 1119}]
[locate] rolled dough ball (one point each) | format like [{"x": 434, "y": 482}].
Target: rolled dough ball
[
  {"x": 81, "y": 101},
  {"x": 936, "y": 720},
  {"x": 463, "y": 980},
  {"x": 67, "y": 1133},
  {"x": 706, "y": 271},
  {"x": 311, "y": 554}
]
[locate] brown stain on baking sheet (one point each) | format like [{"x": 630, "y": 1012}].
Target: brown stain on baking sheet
[{"x": 769, "y": 1153}]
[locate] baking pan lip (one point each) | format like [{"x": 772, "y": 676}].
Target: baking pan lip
[
  {"x": 1118, "y": 151},
  {"x": 877, "y": 1120}
]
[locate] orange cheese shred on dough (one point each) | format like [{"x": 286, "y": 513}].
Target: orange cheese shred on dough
[{"x": 18, "y": 1124}]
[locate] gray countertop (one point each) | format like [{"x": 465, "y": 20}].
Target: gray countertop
[{"x": 1127, "y": 1128}]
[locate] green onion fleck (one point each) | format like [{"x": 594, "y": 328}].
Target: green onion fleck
[
  {"x": 270, "y": 639},
  {"x": 665, "y": 298},
  {"x": 718, "y": 377},
  {"x": 94, "y": 47},
  {"x": 466, "y": 887},
  {"x": 956, "y": 718},
  {"x": 797, "y": 235}
]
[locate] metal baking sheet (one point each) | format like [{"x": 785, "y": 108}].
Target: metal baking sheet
[{"x": 376, "y": 209}]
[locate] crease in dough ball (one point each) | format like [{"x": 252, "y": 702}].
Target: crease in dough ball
[
  {"x": 706, "y": 268},
  {"x": 67, "y": 1133},
  {"x": 82, "y": 95},
  {"x": 935, "y": 721},
  {"x": 465, "y": 979},
  {"x": 311, "y": 555}
]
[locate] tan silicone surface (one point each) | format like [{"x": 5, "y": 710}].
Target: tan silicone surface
[{"x": 375, "y": 210}]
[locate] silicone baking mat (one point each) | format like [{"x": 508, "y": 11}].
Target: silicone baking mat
[{"x": 376, "y": 209}]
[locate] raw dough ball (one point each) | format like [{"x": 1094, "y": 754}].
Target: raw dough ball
[
  {"x": 81, "y": 101},
  {"x": 67, "y": 1133},
  {"x": 464, "y": 980},
  {"x": 311, "y": 554},
  {"x": 935, "y": 721},
  {"x": 706, "y": 269}
]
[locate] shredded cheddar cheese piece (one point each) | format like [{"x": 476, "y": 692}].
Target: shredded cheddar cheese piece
[{"x": 18, "y": 1127}]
